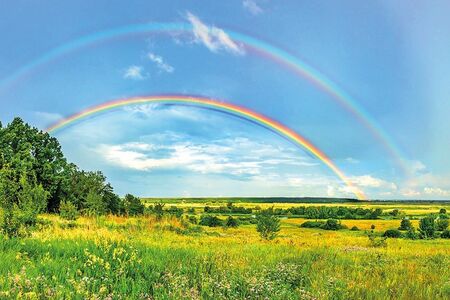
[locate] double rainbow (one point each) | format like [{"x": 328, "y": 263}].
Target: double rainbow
[
  {"x": 216, "y": 105},
  {"x": 252, "y": 44}
]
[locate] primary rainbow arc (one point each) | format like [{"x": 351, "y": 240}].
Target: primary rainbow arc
[{"x": 220, "y": 106}]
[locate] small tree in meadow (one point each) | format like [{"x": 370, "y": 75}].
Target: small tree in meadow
[
  {"x": 158, "y": 210},
  {"x": 211, "y": 221},
  {"x": 231, "y": 222},
  {"x": 427, "y": 227},
  {"x": 133, "y": 205},
  {"x": 21, "y": 200},
  {"x": 268, "y": 226},
  {"x": 95, "y": 206},
  {"x": 405, "y": 224},
  {"x": 443, "y": 211},
  {"x": 68, "y": 211}
]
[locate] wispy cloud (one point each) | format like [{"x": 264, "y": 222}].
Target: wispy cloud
[
  {"x": 352, "y": 160},
  {"x": 134, "y": 72},
  {"x": 433, "y": 191},
  {"x": 47, "y": 117},
  {"x": 160, "y": 63},
  {"x": 369, "y": 181},
  {"x": 252, "y": 7},
  {"x": 214, "y": 38},
  {"x": 216, "y": 157}
]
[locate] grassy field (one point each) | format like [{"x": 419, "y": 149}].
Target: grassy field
[{"x": 140, "y": 258}]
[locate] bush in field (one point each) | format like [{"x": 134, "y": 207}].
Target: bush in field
[
  {"x": 193, "y": 220},
  {"x": 376, "y": 241},
  {"x": 394, "y": 212},
  {"x": 312, "y": 224},
  {"x": 95, "y": 206},
  {"x": 392, "y": 233},
  {"x": 333, "y": 224},
  {"x": 68, "y": 211},
  {"x": 267, "y": 225},
  {"x": 231, "y": 222},
  {"x": 133, "y": 205},
  {"x": 158, "y": 210},
  {"x": 445, "y": 234},
  {"x": 427, "y": 227},
  {"x": 442, "y": 224},
  {"x": 247, "y": 220},
  {"x": 354, "y": 228},
  {"x": 411, "y": 234},
  {"x": 443, "y": 211},
  {"x": 211, "y": 221},
  {"x": 21, "y": 200},
  {"x": 405, "y": 224},
  {"x": 175, "y": 211}
]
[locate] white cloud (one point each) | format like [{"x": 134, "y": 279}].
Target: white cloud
[
  {"x": 174, "y": 111},
  {"x": 134, "y": 72},
  {"x": 410, "y": 193},
  {"x": 160, "y": 63},
  {"x": 433, "y": 191},
  {"x": 252, "y": 7},
  {"x": 214, "y": 38},
  {"x": 368, "y": 181},
  {"x": 352, "y": 160},
  {"x": 225, "y": 156}
]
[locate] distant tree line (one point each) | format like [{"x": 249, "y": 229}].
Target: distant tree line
[{"x": 308, "y": 212}]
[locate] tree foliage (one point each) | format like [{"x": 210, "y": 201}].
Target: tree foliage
[
  {"x": 267, "y": 225},
  {"x": 35, "y": 176}
]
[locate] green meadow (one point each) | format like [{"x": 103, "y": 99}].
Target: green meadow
[{"x": 168, "y": 257}]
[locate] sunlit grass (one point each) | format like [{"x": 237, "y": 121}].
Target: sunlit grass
[{"x": 115, "y": 257}]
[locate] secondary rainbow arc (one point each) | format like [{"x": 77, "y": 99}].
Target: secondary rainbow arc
[
  {"x": 277, "y": 55},
  {"x": 220, "y": 106}
]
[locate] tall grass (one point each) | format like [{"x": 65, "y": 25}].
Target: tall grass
[{"x": 139, "y": 258}]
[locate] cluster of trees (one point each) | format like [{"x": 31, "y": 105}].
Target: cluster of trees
[
  {"x": 35, "y": 177},
  {"x": 429, "y": 227},
  {"x": 330, "y": 224}
]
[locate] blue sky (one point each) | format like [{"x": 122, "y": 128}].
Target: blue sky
[{"x": 392, "y": 58}]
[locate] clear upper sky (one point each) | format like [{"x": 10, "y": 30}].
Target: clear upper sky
[{"x": 390, "y": 58}]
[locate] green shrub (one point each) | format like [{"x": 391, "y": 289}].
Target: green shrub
[
  {"x": 392, "y": 233},
  {"x": 68, "y": 211},
  {"x": 443, "y": 211},
  {"x": 442, "y": 224},
  {"x": 445, "y": 234},
  {"x": 354, "y": 228},
  {"x": 95, "y": 206},
  {"x": 193, "y": 220},
  {"x": 210, "y": 221},
  {"x": 312, "y": 224},
  {"x": 333, "y": 224},
  {"x": 133, "y": 205},
  {"x": 175, "y": 211},
  {"x": 21, "y": 200},
  {"x": 411, "y": 234},
  {"x": 267, "y": 225},
  {"x": 231, "y": 222},
  {"x": 376, "y": 241},
  {"x": 427, "y": 227},
  {"x": 405, "y": 224}
]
